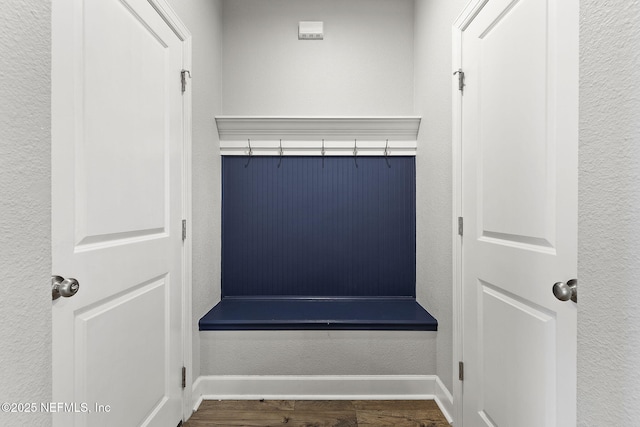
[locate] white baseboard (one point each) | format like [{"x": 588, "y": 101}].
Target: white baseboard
[
  {"x": 444, "y": 399},
  {"x": 323, "y": 387}
]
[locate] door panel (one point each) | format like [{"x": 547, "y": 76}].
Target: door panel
[
  {"x": 141, "y": 339},
  {"x": 519, "y": 201},
  {"x": 509, "y": 356},
  {"x": 124, "y": 142},
  {"x": 117, "y": 212}
]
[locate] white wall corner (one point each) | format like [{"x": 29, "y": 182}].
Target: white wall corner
[{"x": 323, "y": 387}]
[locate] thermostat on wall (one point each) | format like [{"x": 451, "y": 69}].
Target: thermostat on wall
[{"x": 310, "y": 30}]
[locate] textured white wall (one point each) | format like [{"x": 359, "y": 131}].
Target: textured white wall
[
  {"x": 318, "y": 353},
  {"x": 433, "y": 50},
  {"x": 364, "y": 65},
  {"x": 203, "y": 19},
  {"x": 25, "y": 207},
  {"x": 609, "y": 214}
]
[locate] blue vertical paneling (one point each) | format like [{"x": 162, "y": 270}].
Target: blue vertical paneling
[{"x": 308, "y": 230}]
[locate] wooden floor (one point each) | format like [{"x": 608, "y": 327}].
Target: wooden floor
[{"x": 338, "y": 413}]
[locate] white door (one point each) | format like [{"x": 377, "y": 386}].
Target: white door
[
  {"x": 519, "y": 203},
  {"x": 117, "y": 210}
]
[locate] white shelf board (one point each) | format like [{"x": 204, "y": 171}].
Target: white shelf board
[
  {"x": 304, "y": 135},
  {"x": 317, "y": 128}
]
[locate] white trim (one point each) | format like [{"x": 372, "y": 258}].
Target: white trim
[
  {"x": 179, "y": 28},
  {"x": 470, "y": 11},
  {"x": 323, "y": 387},
  {"x": 468, "y": 14},
  {"x": 457, "y": 239},
  {"x": 314, "y": 148},
  {"x": 303, "y": 136},
  {"x": 318, "y": 127},
  {"x": 187, "y": 245},
  {"x": 444, "y": 399},
  {"x": 172, "y": 19}
]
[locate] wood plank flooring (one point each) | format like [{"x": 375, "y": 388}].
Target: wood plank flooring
[{"x": 318, "y": 413}]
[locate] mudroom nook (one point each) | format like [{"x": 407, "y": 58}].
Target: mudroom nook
[
  {"x": 318, "y": 225},
  {"x": 321, "y": 166}
]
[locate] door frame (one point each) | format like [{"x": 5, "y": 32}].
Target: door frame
[
  {"x": 463, "y": 20},
  {"x": 179, "y": 28}
]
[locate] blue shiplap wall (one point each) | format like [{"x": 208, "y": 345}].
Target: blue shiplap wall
[{"x": 302, "y": 229}]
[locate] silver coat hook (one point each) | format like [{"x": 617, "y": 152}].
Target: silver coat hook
[
  {"x": 355, "y": 152},
  {"x": 280, "y": 160},
  {"x": 386, "y": 153},
  {"x": 322, "y": 152},
  {"x": 250, "y": 153}
]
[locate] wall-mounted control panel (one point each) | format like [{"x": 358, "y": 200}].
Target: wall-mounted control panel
[{"x": 310, "y": 30}]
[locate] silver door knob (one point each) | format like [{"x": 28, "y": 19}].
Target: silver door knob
[
  {"x": 566, "y": 291},
  {"x": 61, "y": 287}
]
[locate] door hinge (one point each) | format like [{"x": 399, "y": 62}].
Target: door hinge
[
  {"x": 460, "y": 226},
  {"x": 461, "y": 84},
  {"x": 183, "y": 79},
  {"x": 461, "y": 371},
  {"x": 184, "y": 230},
  {"x": 184, "y": 377}
]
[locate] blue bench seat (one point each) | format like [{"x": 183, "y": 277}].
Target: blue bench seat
[{"x": 404, "y": 314}]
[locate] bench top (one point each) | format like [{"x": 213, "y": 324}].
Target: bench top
[{"x": 318, "y": 314}]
